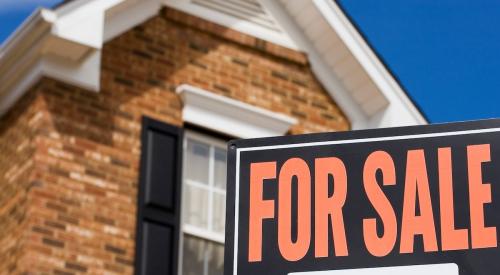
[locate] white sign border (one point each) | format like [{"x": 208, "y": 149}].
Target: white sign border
[{"x": 322, "y": 143}]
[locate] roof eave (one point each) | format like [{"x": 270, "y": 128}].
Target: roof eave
[
  {"x": 38, "y": 21},
  {"x": 358, "y": 81},
  {"x": 346, "y": 65},
  {"x": 63, "y": 45},
  {"x": 371, "y": 61}
]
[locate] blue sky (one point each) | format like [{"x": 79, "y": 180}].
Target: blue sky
[
  {"x": 13, "y": 13},
  {"x": 446, "y": 53}
]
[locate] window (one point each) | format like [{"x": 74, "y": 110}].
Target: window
[
  {"x": 204, "y": 205},
  {"x": 204, "y": 171}
]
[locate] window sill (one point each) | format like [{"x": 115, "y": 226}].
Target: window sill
[{"x": 203, "y": 234}]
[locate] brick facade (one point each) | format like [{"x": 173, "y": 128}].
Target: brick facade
[
  {"x": 17, "y": 147},
  {"x": 70, "y": 157}
]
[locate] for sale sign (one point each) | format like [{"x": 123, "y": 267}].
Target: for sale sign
[{"x": 411, "y": 200}]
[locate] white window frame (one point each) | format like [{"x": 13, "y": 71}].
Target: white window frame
[
  {"x": 191, "y": 230},
  {"x": 230, "y": 116}
]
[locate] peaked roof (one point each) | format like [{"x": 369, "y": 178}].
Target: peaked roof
[
  {"x": 65, "y": 43},
  {"x": 380, "y": 57}
]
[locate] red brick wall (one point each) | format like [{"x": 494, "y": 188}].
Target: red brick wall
[
  {"x": 17, "y": 147},
  {"x": 84, "y": 149}
]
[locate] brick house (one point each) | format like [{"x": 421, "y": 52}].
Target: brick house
[{"x": 115, "y": 114}]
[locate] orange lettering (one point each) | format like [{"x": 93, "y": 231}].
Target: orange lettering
[
  {"x": 379, "y": 246},
  {"x": 259, "y": 209},
  {"x": 417, "y": 184},
  {"x": 330, "y": 208},
  {"x": 451, "y": 238},
  {"x": 294, "y": 251},
  {"x": 479, "y": 194}
]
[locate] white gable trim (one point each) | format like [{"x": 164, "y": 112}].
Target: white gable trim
[
  {"x": 66, "y": 44},
  {"x": 128, "y": 14},
  {"x": 400, "y": 105},
  {"x": 229, "y": 116},
  {"x": 332, "y": 84},
  {"x": 359, "y": 83},
  {"x": 243, "y": 26}
]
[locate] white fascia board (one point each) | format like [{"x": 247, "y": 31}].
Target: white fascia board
[
  {"x": 82, "y": 74},
  {"x": 322, "y": 71},
  {"x": 232, "y": 22},
  {"x": 36, "y": 25},
  {"x": 127, "y": 16},
  {"x": 77, "y": 30},
  {"x": 17, "y": 91},
  {"x": 28, "y": 55},
  {"x": 400, "y": 111},
  {"x": 83, "y": 21},
  {"x": 19, "y": 58},
  {"x": 229, "y": 116},
  {"x": 85, "y": 74},
  {"x": 95, "y": 22}
]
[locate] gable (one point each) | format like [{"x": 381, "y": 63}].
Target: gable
[
  {"x": 339, "y": 57},
  {"x": 192, "y": 51},
  {"x": 247, "y": 16}
]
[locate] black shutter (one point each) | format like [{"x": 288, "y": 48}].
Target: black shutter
[{"x": 159, "y": 199}]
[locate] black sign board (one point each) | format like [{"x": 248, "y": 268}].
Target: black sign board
[{"x": 408, "y": 200}]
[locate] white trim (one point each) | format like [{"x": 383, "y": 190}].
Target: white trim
[
  {"x": 229, "y": 116},
  {"x": 322, "y": 143},
  {"x": 209, "y": 187},
  {"x": 82, "y": 23},
  {"x": 217, "y": 142},
  {"x": 211, "y": 184},
  {"x": 204, "y": 186},
  {"x": 123, "y": 17},
  {"x": 65, "y": 44},
  {"x": 401, "y": 105},
  {"x": 38, "y": 18},
  {"x": 236, "y": 213},
  {"x": 441, "y": 269},
  {"x": 331, "y": 82},
  {"x": 377, "y": 139},
  {"x": 243, "y": 26},
  {"x": 82, "y": 74},
  {"x": 339, "y": 62},
  {"x": 203, "y": 234},
  {"x": 30, "y": 78}
]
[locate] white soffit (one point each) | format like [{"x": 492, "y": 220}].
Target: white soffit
[
  {"x": 126, "y": 15},
  {"x": 246, "y": 16},
  {"x": 65, "y": 44},
  {"x": 345, "y": 64},
  {"x": 229, "y": 116}
]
